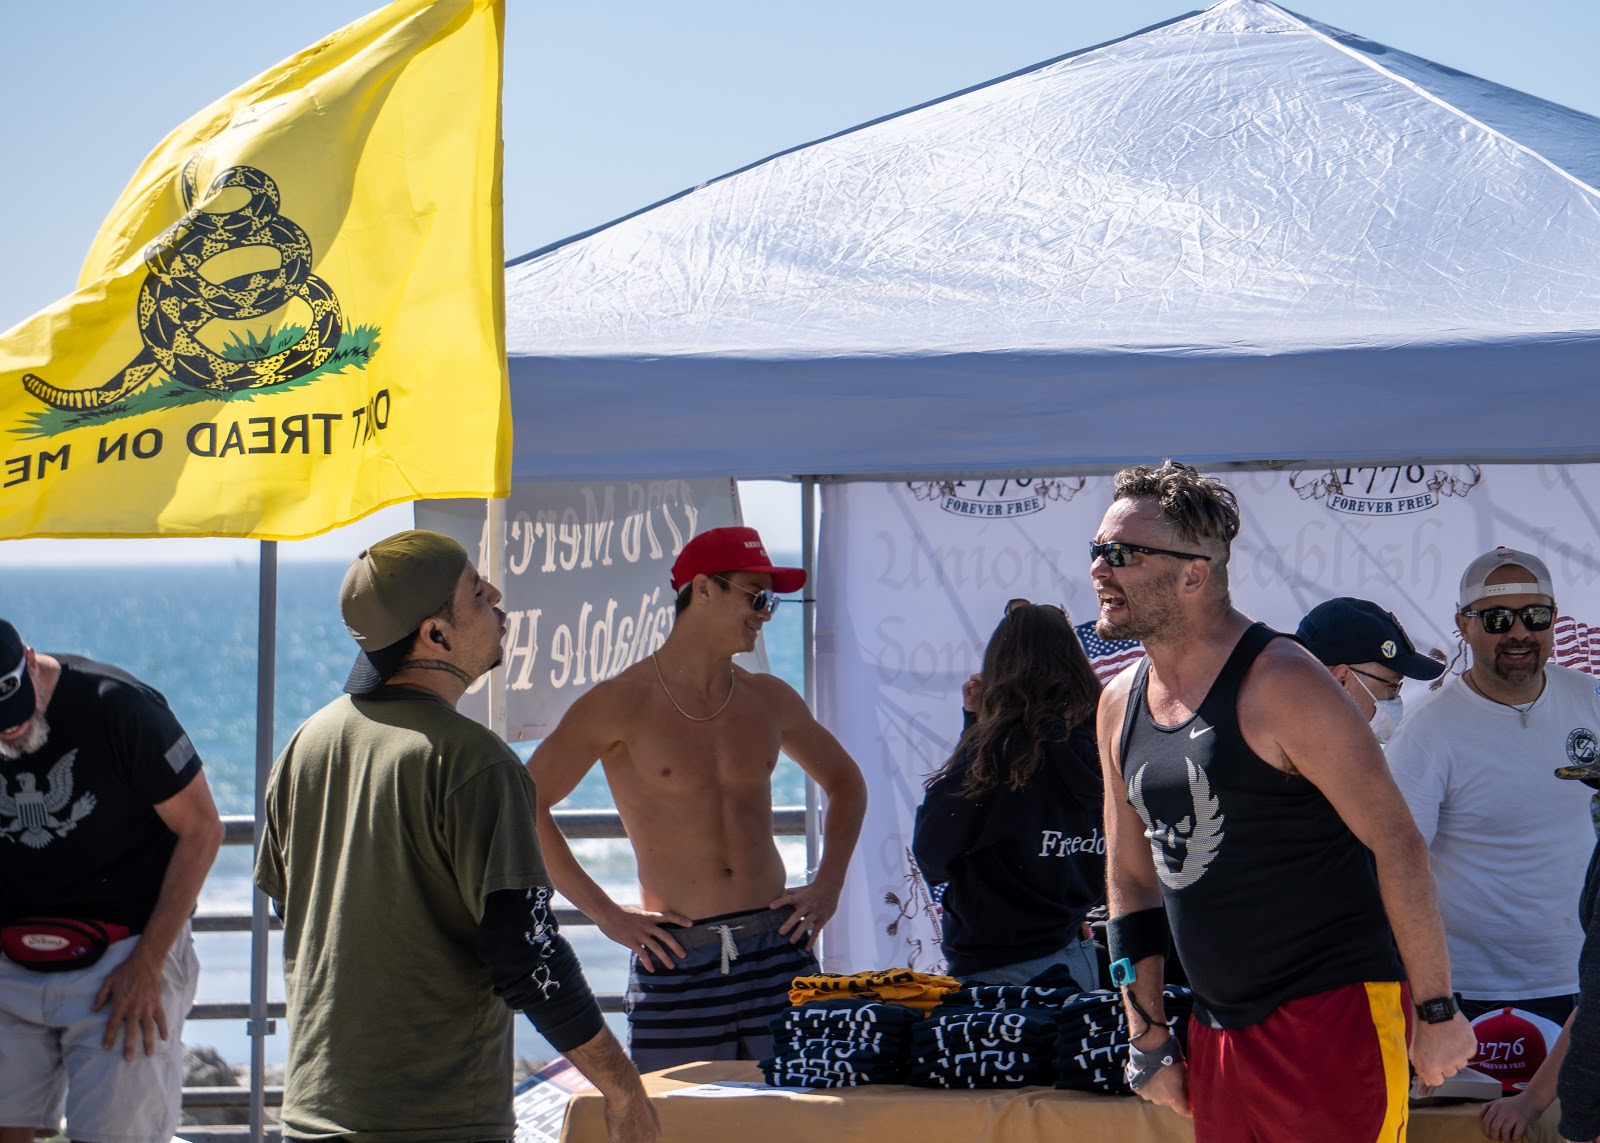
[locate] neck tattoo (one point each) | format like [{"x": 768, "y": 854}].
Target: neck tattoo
[
  {"x": 679, "y": 709},
  {"x": 1522, "y": 710},
  {"x": 436, "y": 665}
]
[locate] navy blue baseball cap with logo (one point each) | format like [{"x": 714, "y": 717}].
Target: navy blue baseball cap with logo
[
  {"x": 1346, "y": 631},
  {"x": 17, "y": 701}
]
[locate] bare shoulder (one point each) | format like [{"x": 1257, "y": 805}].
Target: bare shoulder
[
  {"x": 1114, "y": 697},
  {"x": 1294, "y": 715},
  {"x": 1109, "y": 716},
  {"x": 609, "y": 702},
  {"x": 632, "y": 681},
  {"x": 1286, "y": 670},
  {"x": 1116, "y": 691},
  {"x": 773, "y": 690},
  {"x": 768, "y": 685}
]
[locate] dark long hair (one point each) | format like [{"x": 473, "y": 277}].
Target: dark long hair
[{"x": 1037, "y": 685}]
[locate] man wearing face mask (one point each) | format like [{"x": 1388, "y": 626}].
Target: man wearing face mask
[
  {"x": 1508, "y": 841},
  {"x": 1370, "y": 655}
]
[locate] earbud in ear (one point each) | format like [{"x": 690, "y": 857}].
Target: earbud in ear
[{"x": 438, "y": 637}]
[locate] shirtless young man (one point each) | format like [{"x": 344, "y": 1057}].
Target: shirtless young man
[{"x": 688, "y": 742}]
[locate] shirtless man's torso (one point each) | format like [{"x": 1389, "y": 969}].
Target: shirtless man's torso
[{"x": 688, "y": 742}]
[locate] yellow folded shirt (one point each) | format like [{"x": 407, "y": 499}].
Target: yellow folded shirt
[{"x": 892, "y": 986}]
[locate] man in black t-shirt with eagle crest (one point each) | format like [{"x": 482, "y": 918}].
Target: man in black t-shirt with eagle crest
[{"x": 107, "y": 830}]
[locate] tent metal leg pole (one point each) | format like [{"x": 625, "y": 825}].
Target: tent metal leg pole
[
  {"x": 259, "y": 1026},
  {"x": 808, "y": 653},
  {"x": 495, "y": 573}
]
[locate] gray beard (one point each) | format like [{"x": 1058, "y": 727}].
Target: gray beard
[{"x": 29, "y": 743}]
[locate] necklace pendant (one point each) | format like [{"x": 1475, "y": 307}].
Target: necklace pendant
[{"x": 1524, "y": 718}]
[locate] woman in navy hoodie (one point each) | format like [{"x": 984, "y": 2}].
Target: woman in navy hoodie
[{"x": 1012, "y": 822}]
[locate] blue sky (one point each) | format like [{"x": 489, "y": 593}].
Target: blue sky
[{"x": 608, "y": 107}]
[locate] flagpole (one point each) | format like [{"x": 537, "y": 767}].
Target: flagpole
[
  {"x": 808, "y": 651},
  {"x": 495, "y": 573},
  {"x": 259, "y": 1027}
]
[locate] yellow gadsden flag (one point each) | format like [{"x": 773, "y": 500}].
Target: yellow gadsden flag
[{"x": 293, "y": 315}]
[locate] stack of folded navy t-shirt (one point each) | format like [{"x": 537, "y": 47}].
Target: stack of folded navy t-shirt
[
  {"x": 1092, "y": 1038},
  {"x": 1007, "y": 997},
  {"x": 974, "y": 1048},
  {"x": 1050, "y": 989},
  {"x": 840, "y": 1043}
]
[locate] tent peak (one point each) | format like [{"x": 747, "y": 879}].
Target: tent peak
[
  {"x": 1238, "y": 226},
  {"x": 1254, "y": 12},
  {"x": 1236, "y": 180}
]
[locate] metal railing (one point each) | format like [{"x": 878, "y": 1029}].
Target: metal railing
[{"x": 238, "y": 829}]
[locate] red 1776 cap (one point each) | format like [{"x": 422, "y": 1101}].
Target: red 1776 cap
[{"x": 732, "y": 550}]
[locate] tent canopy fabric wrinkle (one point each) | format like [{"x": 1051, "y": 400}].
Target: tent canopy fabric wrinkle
[{"x": 1239, "y": 236}]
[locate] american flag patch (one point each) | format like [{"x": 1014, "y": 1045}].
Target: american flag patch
[
  {"x": 1108, "y": 656},
  {"x": 1577, "y": 645},
  {"x": 179, "y": 753}
]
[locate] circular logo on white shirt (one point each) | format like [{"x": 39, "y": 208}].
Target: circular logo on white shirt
[{"x": 1583, "y": 746}]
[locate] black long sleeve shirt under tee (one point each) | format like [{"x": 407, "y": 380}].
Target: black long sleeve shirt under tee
[{"x": 534, "y": 969}]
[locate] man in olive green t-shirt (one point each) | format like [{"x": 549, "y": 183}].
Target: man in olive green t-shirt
[{"x": 401, "y": 848}]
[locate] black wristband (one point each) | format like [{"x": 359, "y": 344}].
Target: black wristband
[{"x": 1135, "y": 936}]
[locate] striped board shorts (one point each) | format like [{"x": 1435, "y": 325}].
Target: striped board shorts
[
  {"x": 1326, "y": 1068},
  {"x": 718, "y": 1003}
]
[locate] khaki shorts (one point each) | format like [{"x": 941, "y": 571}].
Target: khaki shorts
[{"x": 52, "y": 1063}]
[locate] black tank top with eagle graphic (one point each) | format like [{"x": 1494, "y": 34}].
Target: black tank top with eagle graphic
[{"x": 1268, "y": 893}]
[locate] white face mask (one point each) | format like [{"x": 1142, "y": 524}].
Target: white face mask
[{"x": 1386, "y": 718}]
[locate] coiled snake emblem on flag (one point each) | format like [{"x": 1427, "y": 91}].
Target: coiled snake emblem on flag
[{"x": 177, "y": 299}]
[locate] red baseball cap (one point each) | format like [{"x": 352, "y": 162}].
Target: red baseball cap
[
  {"x": 1510, "y": 1048},
  {"x": 732, "y": 550}
]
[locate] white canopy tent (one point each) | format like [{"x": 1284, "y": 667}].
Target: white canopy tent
[
  {"x": 1238, "y": 237},
  {"x": 1241, "y": 238}
]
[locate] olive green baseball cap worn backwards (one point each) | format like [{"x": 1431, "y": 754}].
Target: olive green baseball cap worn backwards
[{"x": 387, "y": 592}]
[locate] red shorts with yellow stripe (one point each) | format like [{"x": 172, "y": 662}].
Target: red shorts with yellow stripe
[{"x": 1325, "y": 1068}]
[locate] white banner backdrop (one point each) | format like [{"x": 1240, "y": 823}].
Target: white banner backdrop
[
  {"x": 587, "y": 583},
  {"x": 915, "y": 576}
]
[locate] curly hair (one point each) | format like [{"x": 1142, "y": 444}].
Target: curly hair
[
  {"x": 1201, "y": 508},
  {"x": 1037, "y": 685}
]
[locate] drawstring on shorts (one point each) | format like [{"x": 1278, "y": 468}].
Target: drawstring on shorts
[{"x": 730, "y": 951}]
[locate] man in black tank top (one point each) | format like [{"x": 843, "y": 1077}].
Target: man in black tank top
[{"x": 1247, "y": 798}]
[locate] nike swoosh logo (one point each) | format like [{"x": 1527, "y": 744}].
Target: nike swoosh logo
[{"x": 1197, "y": 731}]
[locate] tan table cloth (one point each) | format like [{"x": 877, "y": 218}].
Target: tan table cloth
[{"x": 893, "y": 1113}]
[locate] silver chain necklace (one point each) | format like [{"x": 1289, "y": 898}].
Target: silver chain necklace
[
  {"x": 674, "y": 702},
  {"x": 1477, "y": 690}
]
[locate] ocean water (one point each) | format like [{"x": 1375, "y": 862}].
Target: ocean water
[{"x": 190, "y": 631}]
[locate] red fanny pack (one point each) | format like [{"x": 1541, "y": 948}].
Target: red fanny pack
[{"x": 59, "y": 944}]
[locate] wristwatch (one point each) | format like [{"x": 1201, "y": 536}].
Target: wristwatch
[{"x": 1439, "y": 1010}]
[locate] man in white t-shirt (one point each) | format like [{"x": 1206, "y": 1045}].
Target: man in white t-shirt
[{"x": 1476, "y": 763}]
